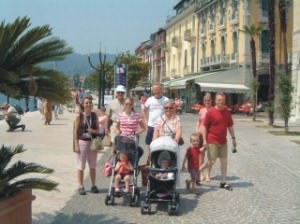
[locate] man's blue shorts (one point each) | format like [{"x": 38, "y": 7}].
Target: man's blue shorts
[{"x": 149, "y": 135}]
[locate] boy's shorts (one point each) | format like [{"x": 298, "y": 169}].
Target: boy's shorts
[
  {"x": 194, "y": 174},
  {"x": 217, "y": 150}
]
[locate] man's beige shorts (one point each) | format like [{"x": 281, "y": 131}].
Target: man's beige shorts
[{"x": 217, "y": 150}]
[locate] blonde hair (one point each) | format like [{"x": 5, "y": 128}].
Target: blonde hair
[{"x": 198, "y": 136}]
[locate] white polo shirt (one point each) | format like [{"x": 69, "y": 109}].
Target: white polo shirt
[{"x": 155, "y": 108}]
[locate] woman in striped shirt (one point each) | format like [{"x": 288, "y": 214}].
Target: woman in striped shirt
[{"x": 128, "y": 121}]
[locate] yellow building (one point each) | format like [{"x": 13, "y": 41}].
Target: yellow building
[
  {"x": 296, "y": 62},
  {"x": 204, "y": 44}
]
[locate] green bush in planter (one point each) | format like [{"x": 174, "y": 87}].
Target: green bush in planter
[{"x": 8, "y": 183}]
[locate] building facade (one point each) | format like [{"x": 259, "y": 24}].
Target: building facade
[{"x": 296, "y": 62}]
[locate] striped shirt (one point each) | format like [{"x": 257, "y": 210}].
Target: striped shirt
[
  {"x": 167, "y": 127},
  {"x": 128, "y": 123}
]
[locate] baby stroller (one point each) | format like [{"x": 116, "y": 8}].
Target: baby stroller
[
  {"x": 130, "y": 147},
  {"x": 162, "y": 190}
]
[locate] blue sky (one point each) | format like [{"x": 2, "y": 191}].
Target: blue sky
[{"x": 115, "y": 25}]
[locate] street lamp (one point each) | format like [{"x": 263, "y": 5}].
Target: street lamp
[{"x": 101, "y": 83}]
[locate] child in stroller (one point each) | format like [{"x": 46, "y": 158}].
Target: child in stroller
[
  {"x": 124, "y": 168},
  {"x": 161, "y": 187}
]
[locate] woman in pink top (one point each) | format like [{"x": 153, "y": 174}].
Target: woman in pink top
[
  {"x": 128, "y": 121},
  {"x": 207, "y": 101}
]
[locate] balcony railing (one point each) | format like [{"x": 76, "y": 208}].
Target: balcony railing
[
  {"x": 212, "y": 28},
  {"x": 176, "y": 42},
  {"x": 234, "y": 18}
]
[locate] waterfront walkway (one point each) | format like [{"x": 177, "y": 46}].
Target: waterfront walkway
[{"x": 265, "y": 174}]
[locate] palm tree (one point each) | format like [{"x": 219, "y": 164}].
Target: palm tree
[
  {"x": 22, "y": 50},
  {"x": 253, "y": 31},
  {"x": 10, "y": 181},
  {"x": 271, "y": 18}
]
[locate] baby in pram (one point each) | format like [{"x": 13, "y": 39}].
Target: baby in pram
[
  {"x": 164, "y": 161},
  {"x": 123, "y": 170}
]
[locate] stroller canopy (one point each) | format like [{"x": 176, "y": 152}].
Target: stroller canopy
[{"x": 164, "y": 143}]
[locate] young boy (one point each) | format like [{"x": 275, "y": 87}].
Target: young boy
[{"x": 193, "y": 160}]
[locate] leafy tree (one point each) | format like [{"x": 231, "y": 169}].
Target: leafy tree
[
  {"x": 22, "y": 49},
  {"x": 136, "y": 71},
  {"x": 285, "y": 98},
  {"x": 253, "y": 31}
]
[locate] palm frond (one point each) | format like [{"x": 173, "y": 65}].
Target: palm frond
[
  {"x": 29, "y": 183},
  {"x": 21, "y": 168},
  {"x": 6, "y": 154}
]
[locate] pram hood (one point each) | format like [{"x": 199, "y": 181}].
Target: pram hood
[{"x": 164, "y": 143}]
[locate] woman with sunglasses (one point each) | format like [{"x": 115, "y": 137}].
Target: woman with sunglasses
[
  {"x": 169, "y": 123},
  {"x": 86, "y": 127},
  {"x": 130, "y": 123}
]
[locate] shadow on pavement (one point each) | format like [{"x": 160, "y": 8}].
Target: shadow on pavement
[{"x": 76, "y": 218}]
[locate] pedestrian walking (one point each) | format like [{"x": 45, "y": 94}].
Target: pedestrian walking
[
  {"x": 217, "y": 120},
  {"x": 154, "y": 108},
  {"x": 207, "y": 101},
  {"x": 192, "y": 159},
  {"x": 86, "y": 128}
]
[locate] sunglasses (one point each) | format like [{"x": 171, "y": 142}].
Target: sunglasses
[
  {"x": 120, "y": 92},
  {"x": 168, "y": 108},
  {"x": 128, "y": 104}
]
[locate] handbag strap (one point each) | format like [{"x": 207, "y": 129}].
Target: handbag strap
[
  {"x": 167, "y": 125},
  {"x": 88, "y": 123}
]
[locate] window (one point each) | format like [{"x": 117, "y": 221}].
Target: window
[
  {"x": 185, "y": 58},
  {"x": 192, "y": 59},
  {"x": 223, "y": 46},
  {"x": 235, "y": 42},
  {"x": 193, "y": 23},
  {"x": 264, "y": 41}
]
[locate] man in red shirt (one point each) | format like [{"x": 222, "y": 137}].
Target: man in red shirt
[{"x": 218, "y": 119}]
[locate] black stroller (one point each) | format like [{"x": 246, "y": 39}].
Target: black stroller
[
  {"x": 162, "y": 190},
  {"x": 130, "y": 147}
]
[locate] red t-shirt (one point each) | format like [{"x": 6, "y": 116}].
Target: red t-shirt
[
  {"x": 216, "y": 122},
  {"x": 192, "y": 155}
]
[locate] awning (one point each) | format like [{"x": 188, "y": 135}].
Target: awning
[{"x": 227, "y": 88}]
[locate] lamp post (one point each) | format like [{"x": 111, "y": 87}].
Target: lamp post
[{"x": 101, "y": 83}]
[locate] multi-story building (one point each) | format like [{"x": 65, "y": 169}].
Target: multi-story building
[
  {"x": 144, "y": 52},
  {"x": 296, "y": 62},
  {"x": 158, "y": 51}
]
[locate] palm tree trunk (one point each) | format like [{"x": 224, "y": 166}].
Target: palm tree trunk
[
  {"x": 271, "y": 15},
  {"x": 253, "y": 55}
]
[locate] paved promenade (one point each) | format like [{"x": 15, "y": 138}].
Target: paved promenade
[{"x": 265, "y": 174}]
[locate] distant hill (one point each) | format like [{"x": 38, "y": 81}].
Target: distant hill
[{"x": 77, "y": 63}]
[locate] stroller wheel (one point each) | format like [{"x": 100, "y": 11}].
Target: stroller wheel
[
  {"x": 172, "y": 208},
  {"x": 145, "y": 208},
  {"x": 135, "y": 200}
]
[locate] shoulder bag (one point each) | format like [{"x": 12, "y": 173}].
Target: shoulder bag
[{"x": 181, "y": 141}]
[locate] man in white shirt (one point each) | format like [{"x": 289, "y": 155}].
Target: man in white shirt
[
  {"x": 153, "y": 109},
  {"x": 116, "y": 106},
  {"x": 12, "y": 117}
]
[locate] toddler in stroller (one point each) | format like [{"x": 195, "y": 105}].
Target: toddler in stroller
[
  {"x": 124, "y": 168},
  {"x": 161, "y": 187}
]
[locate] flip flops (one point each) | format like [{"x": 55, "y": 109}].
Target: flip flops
[{"x": 226, "y": 186}]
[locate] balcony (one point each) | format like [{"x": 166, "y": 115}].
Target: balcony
[
  {"x": 222, "y": 24},
  {"x": 186, "y": 69},
  {"x": 211, "y": 29},
  {"x": 202, "y": 33},
  {"x": 263, "y": 16},
  {"x": 264, "y": 59},
  {"x": 188, "y": 36},
  {"x": 233, "y": 58},
  {"x": 234, "y": 18},
  {"x": 176, "y": 42},
  {"x": 173, "y": 72}
]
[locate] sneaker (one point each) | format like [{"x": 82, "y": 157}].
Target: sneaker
[
  {"x": 81, "y": 191},
  {"x": 226, "y": 186},
  {"x": 94, "y": 190}
]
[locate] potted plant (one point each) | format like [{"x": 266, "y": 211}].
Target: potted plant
[{"x": 16, "y": 192}]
